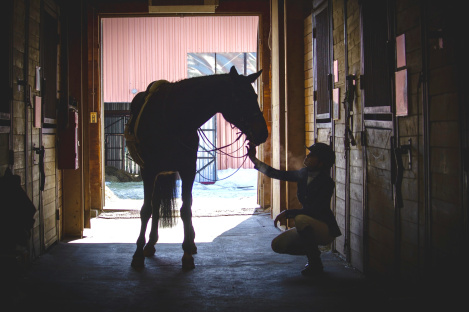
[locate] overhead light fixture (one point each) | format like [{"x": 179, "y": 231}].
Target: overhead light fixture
[{"x": 205, "y": 6}]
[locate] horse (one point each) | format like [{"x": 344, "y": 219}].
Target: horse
[{"x": 162, "y": 136}]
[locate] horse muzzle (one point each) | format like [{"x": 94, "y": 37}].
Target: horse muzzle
[{"x": 257, "y": 132}]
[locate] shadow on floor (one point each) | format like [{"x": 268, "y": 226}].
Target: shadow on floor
[{"x": 235, "y": 271}]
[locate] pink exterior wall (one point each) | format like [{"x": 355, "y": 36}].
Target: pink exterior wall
[{"x": 137, "y": 51}]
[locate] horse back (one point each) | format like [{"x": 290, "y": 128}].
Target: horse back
[{"x": 137, "y": 103}]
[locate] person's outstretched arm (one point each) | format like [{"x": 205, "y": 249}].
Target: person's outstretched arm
[{"x": 290, "y": 176}]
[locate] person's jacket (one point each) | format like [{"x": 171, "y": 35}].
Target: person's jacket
[{"x": 315, "y": 196}]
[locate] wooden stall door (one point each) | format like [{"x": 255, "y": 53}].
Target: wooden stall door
[
  {"x": 380, "y": 227},
  {"x": 380, "y": 204},
  {"x": 48, "y": 182}
]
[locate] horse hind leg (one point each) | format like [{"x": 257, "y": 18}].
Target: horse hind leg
[
  {"x": 163, "y": 202},
  {"x": 149, "y": 249},
  {"x": 188, "y": 244},
  {"x": 138, "y": 258}
]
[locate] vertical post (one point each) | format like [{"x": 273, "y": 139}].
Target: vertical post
[
  {"x": 426, "y": 140},
  {"x": 294, "y": 95},
  {"x": 347, "y": 146},
  {"x": 278, "y": 103}
]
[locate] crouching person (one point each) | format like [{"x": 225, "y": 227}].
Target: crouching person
[{"x": 315, "y": 223}]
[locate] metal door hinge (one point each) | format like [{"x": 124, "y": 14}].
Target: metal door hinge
[
  {"x": 362, "y": 82},
  {"x": 363, "y": 138},
  {"x": 11, "y": 156}
]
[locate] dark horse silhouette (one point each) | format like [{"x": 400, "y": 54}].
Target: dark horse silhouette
[{"x": 162, "y": 137}]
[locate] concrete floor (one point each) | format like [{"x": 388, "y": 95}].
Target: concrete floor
[{"x": 236, "y": 270}]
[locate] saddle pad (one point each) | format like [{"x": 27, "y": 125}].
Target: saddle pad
[{"x": 131, "y": 137}]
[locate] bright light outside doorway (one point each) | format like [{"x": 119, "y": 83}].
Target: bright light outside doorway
[{"x": 137, "y": 51}]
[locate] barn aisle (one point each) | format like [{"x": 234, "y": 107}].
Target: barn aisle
[{"x": 236, "y": 270}]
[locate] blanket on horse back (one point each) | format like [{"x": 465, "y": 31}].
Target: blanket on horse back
[{"x": 131, "y": 128}]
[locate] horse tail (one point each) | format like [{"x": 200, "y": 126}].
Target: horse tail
[{"x": 165, "y": 189}]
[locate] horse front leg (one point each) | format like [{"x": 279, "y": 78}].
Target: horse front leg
[
  {"x": 138, "y": 258},
  {"x": 188, "y": 245}
]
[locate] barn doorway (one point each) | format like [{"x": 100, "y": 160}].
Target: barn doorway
[{"x": 139, "y": 50}]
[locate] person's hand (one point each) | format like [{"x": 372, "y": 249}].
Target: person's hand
[
  {"x": 251, "y": 151},
  {"x": 281, "y": 217}
]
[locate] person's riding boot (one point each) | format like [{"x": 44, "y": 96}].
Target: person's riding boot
[{"x": 314, "y": 266}]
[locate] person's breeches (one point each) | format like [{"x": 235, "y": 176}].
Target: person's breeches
[
  {"x": 290, "y": 242},
  {"x": 320, "y": 229}
]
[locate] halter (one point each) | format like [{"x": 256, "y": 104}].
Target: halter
[{"x": 243, "y": 120}]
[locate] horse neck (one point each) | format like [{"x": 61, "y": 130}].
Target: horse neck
[{"x": 208, "y": 95}]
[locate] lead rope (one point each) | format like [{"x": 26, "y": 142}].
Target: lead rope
[
  {"x": 218, "y": 150},
  {"x": 210, "y": 180},
  {"x": 245, "y": 157}
]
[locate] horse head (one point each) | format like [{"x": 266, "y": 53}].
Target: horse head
[{"x": 242, "y": 110}]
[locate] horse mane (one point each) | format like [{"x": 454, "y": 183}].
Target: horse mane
[
  {"x": 202, "y": 80},
  {"x": 207, "y": 77}
]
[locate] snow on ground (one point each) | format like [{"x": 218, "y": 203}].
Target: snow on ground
[{"x": 235, "y": 192}]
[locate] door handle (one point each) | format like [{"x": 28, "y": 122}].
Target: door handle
[
  {"x": 40, "y": 151},
  {"x": 397, "y": 181}
]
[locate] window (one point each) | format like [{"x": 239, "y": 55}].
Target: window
[
  {"x": 49, "y": 90},
  {"x": 377, "y": 61},
  {"x": 321, "y": 48},
  {"x": 202, "y": 64}
]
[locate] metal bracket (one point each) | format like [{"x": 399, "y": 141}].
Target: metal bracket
[
  {"x": 348, "y": 106},
  {"x": 20, "y": 82},
  {"x": 407, "y": 149}
]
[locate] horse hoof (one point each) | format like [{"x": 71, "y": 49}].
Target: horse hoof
[
  {"x": 138, "y": 262},
  {"x": 187, "y": 262},
  {"x": 149, "y": 250}
]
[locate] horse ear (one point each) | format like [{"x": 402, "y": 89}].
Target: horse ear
[
  {"x": 252, "y": 77},
  {"x": 233, "y": 72}
]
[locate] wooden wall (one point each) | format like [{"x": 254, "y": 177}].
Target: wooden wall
[
  {"x": 25, "y": 136},
  {"x": 446, "y": 215},
  {"x": 308, "y": 68},
  {"x": 428, "y": 231},
  {"x": 355, "y": 164}
]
